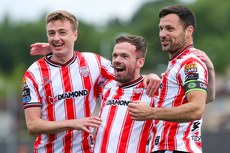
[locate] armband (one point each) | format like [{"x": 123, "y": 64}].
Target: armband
[{"x": 194, "y": 85}]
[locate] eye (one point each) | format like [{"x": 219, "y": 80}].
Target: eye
[
  {"x": 124, "y": 56},
  {"x": 51, "y": 33},
  {"x": 167, "y": 28},
  {"x": 63, "y": 33},
  {"x": 170, "y": 29},
  {"x": 160, "y": 28},
  {"x": 114, "y": 55}
]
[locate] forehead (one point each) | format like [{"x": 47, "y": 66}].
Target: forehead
[
  {"x": 170, "y": 19},
  {"x": 58, "y": 24},
  {"x": 124, "y": 47}
]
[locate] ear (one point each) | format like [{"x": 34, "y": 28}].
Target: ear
[
  {"x": 75, "y": 35},
  {"x": 140, "y": 62},
  {"x": 189, "y": 31}
]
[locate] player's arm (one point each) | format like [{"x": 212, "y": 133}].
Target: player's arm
[
  {"x": 152, "y": 83},
  {"x": 40, "y": 49},
  {"x": 211, "y": 74},
  {"x": 211, "y": 86},
  {"x": 193, "y": 110},
  {"x": 195, "y": 91},
  {"x": 36, "y": 125}
]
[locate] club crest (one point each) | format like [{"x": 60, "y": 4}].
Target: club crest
[{"x": 84, "y": 71}]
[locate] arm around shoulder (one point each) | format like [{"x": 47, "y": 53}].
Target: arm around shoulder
[{"x": 211, "y": 85}]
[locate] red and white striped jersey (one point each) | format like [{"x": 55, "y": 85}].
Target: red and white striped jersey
[
  {"x": 118, "y": 133},
  {"x": 179, "y": 136},
  {"x": 65, "y": 92}
]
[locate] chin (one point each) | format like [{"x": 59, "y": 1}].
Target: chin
[
  {"x": 119, "y": 79},
  {"x": 165, "y": 49}
]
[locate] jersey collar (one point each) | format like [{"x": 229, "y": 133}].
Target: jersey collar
[
  {"x": 56, "y": 64},
  {"x": 132, "y": 83}
]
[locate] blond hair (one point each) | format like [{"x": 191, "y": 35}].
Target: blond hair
[{"x": 62, "y": 15}]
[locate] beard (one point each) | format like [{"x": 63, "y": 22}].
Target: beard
[
  {"x": 173, "y": 44},
  {"x": 125, "y": 78},
  {"x": 174, "y": 47}
]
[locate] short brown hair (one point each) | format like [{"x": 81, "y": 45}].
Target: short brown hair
[
  {"x": 137, "y": 41},
  {"x": 62, "y": 15},
  {"x": 187, "y": 17}
]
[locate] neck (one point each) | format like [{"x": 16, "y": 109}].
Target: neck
[
  {"x": 62, "y": 59},
  {"x": 130, "y": 81},
  {"x": 172, "y": 55}
]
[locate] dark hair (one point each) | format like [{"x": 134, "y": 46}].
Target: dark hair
[
  {"x": 62, "y": 15},
  {"x": 137, "y": 41},
  {"x": 186, "y": 16}
]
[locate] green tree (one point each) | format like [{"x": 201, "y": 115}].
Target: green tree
[{"x": 213, "y": 33}]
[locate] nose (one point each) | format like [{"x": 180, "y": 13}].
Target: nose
[
  {"x": 56, "y": 36},
  {"x": 116, "y": 60},
  {"x": 162, "y": 33}
]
